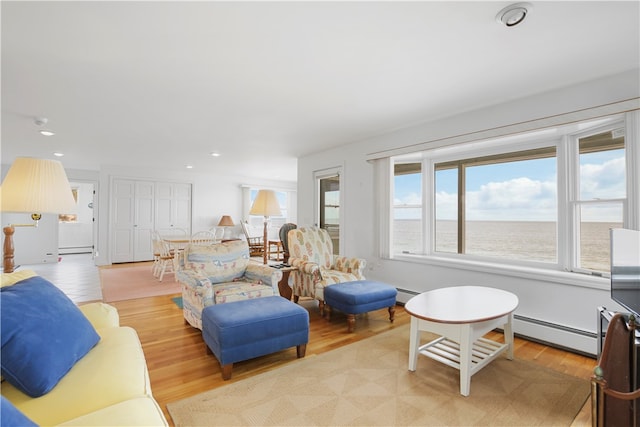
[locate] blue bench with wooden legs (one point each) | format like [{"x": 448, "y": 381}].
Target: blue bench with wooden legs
[
  {"x": 360, "y": 296},
  {"x": 243, "y": 330}
]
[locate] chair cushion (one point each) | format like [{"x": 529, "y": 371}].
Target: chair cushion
[
  {"x": 43, "y": 335},
  {"x": 240, "y": 290}
]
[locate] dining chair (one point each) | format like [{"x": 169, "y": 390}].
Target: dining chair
[
  {"x": 168, "y": 233},
  {"x": 284, "y": 238},
  {"x": 165, "y": 260},
  {"x": 256, "y": 245},
  {"x": 155, "y": 245},
  {"x": 219, "y": 233},
  {"x": 203, "y": 238}
]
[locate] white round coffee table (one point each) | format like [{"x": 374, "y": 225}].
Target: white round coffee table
[{"x": 461, "y": 315}]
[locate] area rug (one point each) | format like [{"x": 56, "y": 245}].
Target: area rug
[
  {"x": 368, "y": 384},
  {"x": 137, "y": 281}
]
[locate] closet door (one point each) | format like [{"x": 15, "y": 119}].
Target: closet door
[
  {"x": 173, "y": 206},
  {"x": 144, "y": 221},
  {"x": 182, "y": 218},
  {"x": 132, "y": 219},
  {"x": 122, "y": 214}
]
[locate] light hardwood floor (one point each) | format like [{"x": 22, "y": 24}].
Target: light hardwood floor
[{"x": 179, "y": 366}]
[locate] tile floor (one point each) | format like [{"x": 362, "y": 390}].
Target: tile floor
[{"x": 76, "y": 275}]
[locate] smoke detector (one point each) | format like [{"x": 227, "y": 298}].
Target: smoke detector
[
  {"x": 514, "y": 14},
  {"x": 41, "y": 121}
]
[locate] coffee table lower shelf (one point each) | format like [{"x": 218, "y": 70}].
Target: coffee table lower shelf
[{"x": 447, "y": 352}]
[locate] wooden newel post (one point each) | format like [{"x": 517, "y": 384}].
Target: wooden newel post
[{"x": 8, "y": 250}]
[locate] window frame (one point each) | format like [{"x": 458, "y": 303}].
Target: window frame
[{"x": 566, "y": 145}]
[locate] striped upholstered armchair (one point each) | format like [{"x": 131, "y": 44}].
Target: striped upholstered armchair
[
  {"x": 311, "y": 252},
  {"x": 221, "y": 273}
]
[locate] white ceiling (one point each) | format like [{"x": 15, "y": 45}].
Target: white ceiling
[{"x": 163, "y": 84}]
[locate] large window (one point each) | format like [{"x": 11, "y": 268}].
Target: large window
[
  {"x": 499, "y": 206},
  {"x": 515, "y": 200}
]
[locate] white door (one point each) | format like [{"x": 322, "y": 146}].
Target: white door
[
  {"x": 138, "y": 208},
  {"x": 132, "y": 218},
  {"x": 122, "y": 214},
  {"x": 182, "y": 194},
  {"x": 173, "y": 206},
  {"x": 144, "y": 221}
]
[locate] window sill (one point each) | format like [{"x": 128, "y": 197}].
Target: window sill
[{"x": 519, "y": 271}]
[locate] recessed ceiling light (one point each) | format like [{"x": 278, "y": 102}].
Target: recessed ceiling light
[
  {"x": 189, "y": 167},
  {"x": 215, "y": 154},
  {"x": 46, "y": 132},
  {"x": 514, "y": 14},
  {"x": 58, "y": 154}
]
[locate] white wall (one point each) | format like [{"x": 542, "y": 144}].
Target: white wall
[
  {"x": 213, "y": 195},
  {"x": 33, "y": 245},
  {"x": 558, "y": 299}
]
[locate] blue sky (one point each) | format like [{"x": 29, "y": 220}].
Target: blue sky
[{"x": 524, "y": 190}]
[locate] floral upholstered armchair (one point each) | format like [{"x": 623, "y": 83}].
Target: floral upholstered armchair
[
  {"x": 311, "y": 252},
  {"x": 221, "y": 273}
]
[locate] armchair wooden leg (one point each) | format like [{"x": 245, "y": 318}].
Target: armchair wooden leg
[
  {"x": 321, "y": 307},
  {"x": 301, "y": 350},
  {"x": 392, "y": 313},
  {"x": 351, "y": 322},
  {"x": 226, "y": 371}
]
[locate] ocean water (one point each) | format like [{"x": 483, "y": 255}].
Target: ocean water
[{"x": 531, "y": 241}]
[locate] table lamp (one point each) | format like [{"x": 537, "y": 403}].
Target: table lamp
[
  {"x": 225, "y": 221},
  {"x": 265, "y": 204},
  {"x": 35, "y": 186}
]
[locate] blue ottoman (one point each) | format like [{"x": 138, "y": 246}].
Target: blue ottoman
[
  {"x": 242, "y": 330},
  {"x": 358, "y": 297}
]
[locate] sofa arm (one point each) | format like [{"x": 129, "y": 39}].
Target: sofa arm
[
  {"x": 305, "y": 267},
  {"x": 350, "y": 265},
  {"x": 265, "y": 274},
  {"x": 197, "y": 283},
  {"x": 101, "y": 315}
]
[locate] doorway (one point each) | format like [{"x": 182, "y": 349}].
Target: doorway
[
  {"x": 77, "y": 231},
  {"x": 329, "y": 200}
]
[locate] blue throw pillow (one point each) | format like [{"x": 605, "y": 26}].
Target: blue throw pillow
[
  {"x": 43, "y": 335},
  {"x": 11, "y": 417}
]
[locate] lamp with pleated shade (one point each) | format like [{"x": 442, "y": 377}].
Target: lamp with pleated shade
[
  {"x": 265, "y": 204},
  {"x": 225, "y": 222},
  {"x": 34, "y": 186}
]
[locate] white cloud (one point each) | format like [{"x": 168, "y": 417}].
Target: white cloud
[
  {"x": 520, "y": 199},
  {"x": 408, "y": 199},
  {"x": 526, "y": 199},
  {"x": 603, "y": 181}
]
